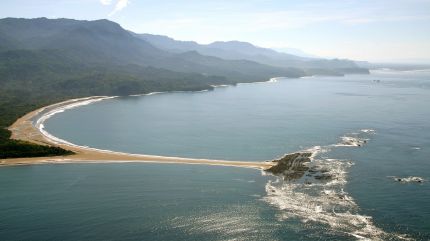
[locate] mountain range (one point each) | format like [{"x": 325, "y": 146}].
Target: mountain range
[
  {"x": 236, "y": 50},
  {"x": 106, "y": 42}
]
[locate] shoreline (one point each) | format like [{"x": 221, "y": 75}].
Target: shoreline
[{"x": 24, "y": 129}]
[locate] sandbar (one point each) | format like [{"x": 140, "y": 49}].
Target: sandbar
[{"x": 25, "y": 129}]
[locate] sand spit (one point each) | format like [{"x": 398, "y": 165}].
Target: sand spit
[{"x": 30, "y": 128}]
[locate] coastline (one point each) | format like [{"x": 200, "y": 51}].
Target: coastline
[{"x": 24, "y": 129}]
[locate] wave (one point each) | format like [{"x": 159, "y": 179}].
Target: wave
[
  {"x": 175, "y": 91},
  {"x": 61, "y": 107},
  {"x": 355, "y": 139},
  {"x": 308, "y": 77},
  {"x": 218, "y": 86},
  {"x": 368, "y": 131},
  {"x": 273, "y": 80},
  {"x": 151, "y": 93},
  {"x": 318, "y": 196},
  {"x": 408, "y": 179}
]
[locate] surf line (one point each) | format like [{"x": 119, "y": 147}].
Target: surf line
[{"x": 31, "y": 128}]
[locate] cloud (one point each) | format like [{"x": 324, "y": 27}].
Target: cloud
[
  {"x": 120, "y": 5},
  {"x": 106, "y": 2}
]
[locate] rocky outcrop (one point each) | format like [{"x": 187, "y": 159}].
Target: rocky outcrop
[
  {"x": 291, "y": 166},
  {"x": 408, "y": 179},
  {"x": 297, "y": 165}
]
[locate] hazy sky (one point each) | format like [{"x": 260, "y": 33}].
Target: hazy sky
[{"x": 377, "y": 30}]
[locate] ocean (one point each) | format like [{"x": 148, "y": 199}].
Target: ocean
[{"x": 370, "y": 133}]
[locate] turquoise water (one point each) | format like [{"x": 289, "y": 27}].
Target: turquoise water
[{"x": 254, "y": 122}]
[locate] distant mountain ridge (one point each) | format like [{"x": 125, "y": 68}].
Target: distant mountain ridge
[
  {"x": 106, "y": 42},
  {"x": 227, "y": 50},
  {"x": 236, "y": 50}
]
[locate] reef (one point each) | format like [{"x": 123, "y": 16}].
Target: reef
[
  {"x": 291, "y": 166},
  {"x": 294, "y": 166},
  {"x": 408, "y": 179}
]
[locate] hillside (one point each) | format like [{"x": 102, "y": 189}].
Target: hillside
[
  {"x": 106, "y": 42},
  {"x": 30, "y": 79}
]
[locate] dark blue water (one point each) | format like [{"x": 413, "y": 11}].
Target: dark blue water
[{"x": 246, "y": 122}]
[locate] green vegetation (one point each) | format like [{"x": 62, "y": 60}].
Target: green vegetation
[
  {"x": 32, "y": 79},
  {"x": 13, "y": 148}
]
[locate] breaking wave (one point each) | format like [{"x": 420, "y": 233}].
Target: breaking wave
[
  {"x": 355, "y": 139},
  {"x": 410, "y": 179},
  {"x": 318, "y": 196},
  {"x": 59, "y": 108}
]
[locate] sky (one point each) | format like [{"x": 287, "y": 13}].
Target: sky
[{"x": 372, "y": 30}]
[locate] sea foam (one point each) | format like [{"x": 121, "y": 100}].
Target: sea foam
[{"x": 324, "y": 201}]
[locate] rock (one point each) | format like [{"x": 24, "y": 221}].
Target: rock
[
  {"x": 324, "y": 177},
  {"x": 409, "y": 179},
  {"x": 292, "y": 166}
]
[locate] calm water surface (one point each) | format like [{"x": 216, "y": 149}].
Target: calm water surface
[{"x": 248, "y": 122}]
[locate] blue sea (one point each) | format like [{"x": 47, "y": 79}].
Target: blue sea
[{"x": 369, "y": 132}]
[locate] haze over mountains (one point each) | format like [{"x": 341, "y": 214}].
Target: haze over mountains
[
  {"x": 104, "y": 42},
  {"x": 234, "y": 50}
]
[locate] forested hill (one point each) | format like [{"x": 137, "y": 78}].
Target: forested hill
[
  {"x": 43, "y": 61},
  {"x": 105, "y": 42},
  {"x": 30, "y": 79}
]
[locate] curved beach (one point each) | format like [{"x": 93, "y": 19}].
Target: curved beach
[{"x": 30, "y": 128}]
